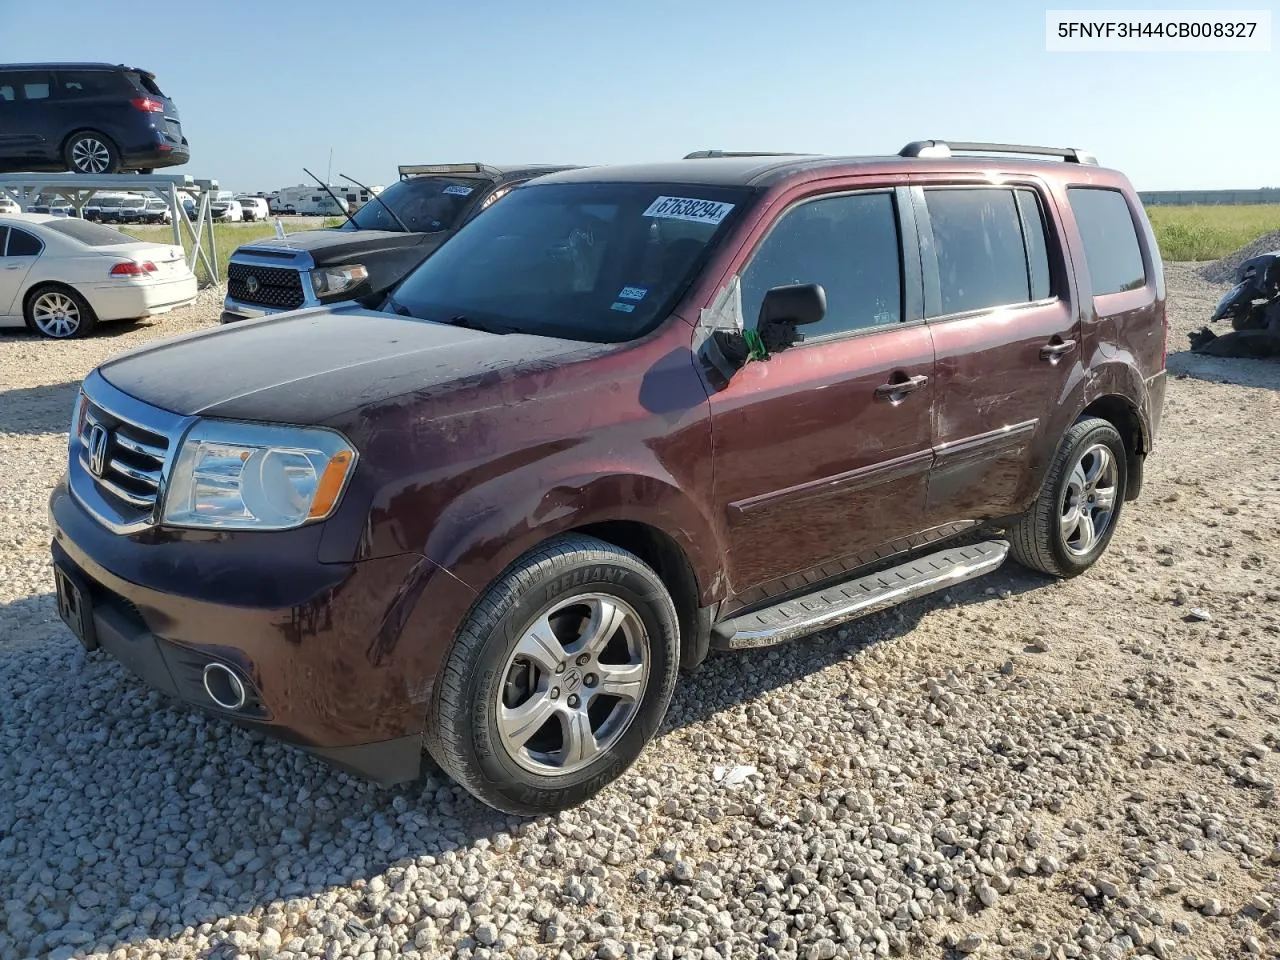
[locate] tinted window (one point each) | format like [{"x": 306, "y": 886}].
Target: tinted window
[
  {"x": 1035, "y": 233},
  {"x": 849, "y": 244},
  {"x": 7, "y": 92},
  {"x": 1110, "y": 239},
  {"x": 4, "y": 236},
  {"x": 144, "y": 83},
  {"x": 23, "y": 244},
  {"x": 73, "y": 84},
  {"x": 93, "y": 234},
  {"x": 425, "y": 204},
  {"x": 982, "y": 262},
  {"x": 601, "y": 262},
  {"x": 36, "y": 87}
]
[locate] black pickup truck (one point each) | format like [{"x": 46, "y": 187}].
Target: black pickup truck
[{"x": 370, "y": 253}]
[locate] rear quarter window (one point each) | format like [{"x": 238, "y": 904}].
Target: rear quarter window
[{"x": 1110, "y": 238}]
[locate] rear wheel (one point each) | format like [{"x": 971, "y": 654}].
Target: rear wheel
[
  {"x": 1072, "y": 521},
  {"x": 59, "y": 313},
  {"x": 91, "y": 152},
  {"x": 558, "y": 678}
]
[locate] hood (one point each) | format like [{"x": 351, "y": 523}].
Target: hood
[
  {"x": 332, "y": 247},
  {"x": 310, "y": 366}
]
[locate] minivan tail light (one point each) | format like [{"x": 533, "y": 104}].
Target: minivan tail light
[
  {"x": 148, "y": 104},
  {"x": 131, "y": 268}
]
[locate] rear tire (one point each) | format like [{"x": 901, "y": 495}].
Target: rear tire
[
  {"x": 59, "y": 313},
  {"x": 1073, "y": 519},
  {"x": 559, "y": 676},
  {"x": 90, "y": 152}
]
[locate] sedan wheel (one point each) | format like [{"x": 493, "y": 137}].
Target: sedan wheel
[{"x": 60, "y": 314}]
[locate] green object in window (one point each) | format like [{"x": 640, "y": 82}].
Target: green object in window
[{"x": 755, "y": 346}]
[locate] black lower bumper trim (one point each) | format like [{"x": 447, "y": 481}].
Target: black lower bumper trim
[{"x": 386, "y": 762}]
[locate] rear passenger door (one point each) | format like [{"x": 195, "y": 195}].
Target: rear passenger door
[
  {"x": 25, "y": 117},
  {"x": 1001, "y": 308},
  {"x": 822, "y": 452}
]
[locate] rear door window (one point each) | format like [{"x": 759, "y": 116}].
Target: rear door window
[
  {"x": 34, "y": 85},
  {"x": 79, "y": 84},
  {"x": 848, "y": 244},
  {"x": 1110, "y": 239},
  {"x": 981, "y": 253},
  {"x": 23, "y": 244}
]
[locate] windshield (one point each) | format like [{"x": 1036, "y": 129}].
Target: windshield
[
  {"x": 425, "y": 204},
  {"x": 602, "y": 262},
  {"x": 91, "y": 234},
  {"x": 110, "y": 202}
]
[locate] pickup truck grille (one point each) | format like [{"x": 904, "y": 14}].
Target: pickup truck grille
[
  {"x": 125, "y": 460},
  {"x": 275, "y": 286}
]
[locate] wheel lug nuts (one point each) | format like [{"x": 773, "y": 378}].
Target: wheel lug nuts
[
  {"x": 583, "y": 659},
  {"x": 573, "y": 700},
  {"x": 555, "y": 693},
  {"x": 589, "y": 680},
  {"x": 559, "y": 668}
]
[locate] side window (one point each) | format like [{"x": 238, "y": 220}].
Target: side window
[
  {"x": 1110, "y": 239},
  {"x": 75, "y": 84},
  {"x": 4, "y": 235},
  {"x": 1035, "y": 233},
  {"x": 23, "y": 244},
  {"x": 849, "y": 244},
  {"x": 8, "y": 93},
  {"x": 36, "y": 86},
  {"x": 982, "y": 260}
]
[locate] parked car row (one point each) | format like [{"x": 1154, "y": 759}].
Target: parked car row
[{"x": 505, "y": 473}]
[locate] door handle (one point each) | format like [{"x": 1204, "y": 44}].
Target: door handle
[
  {"x": 896, "y": 389},
  {"x": 1052, "y": 351}
]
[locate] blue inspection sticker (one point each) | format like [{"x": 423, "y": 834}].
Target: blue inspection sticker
[
  {"x": 457, "y": 190},
  {"x": 623, "y": 307},
  {"x": 633, "y": 293}
]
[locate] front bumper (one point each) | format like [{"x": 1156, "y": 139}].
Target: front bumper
[{"x": 318, "y": 647}]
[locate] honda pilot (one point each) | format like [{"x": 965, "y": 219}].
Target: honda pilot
[{"x": 624, "y": 417}]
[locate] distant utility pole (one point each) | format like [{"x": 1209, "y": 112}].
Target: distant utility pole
[{"x": 328, "y": 176}]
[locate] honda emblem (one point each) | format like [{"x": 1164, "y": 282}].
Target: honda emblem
[{"x": 98, "y": 438}]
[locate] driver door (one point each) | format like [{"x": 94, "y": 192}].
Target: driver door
[{"x": 822, "y": 452}]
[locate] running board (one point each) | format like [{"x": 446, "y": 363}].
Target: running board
[{"x": 839, "y": 602}]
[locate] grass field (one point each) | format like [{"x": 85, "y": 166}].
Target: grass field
[
  {"x": 1207, "y": 233},
  {"x": 229, "y": 236}
]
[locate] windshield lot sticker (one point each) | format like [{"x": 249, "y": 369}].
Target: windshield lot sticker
[
  {"x": 685, "y": 208},
  {"x": 623, "y": 307},
  {"x": 633, "y": 293},
  {"x": 457, "y": 190}
]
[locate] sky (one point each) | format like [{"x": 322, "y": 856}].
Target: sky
[{"x": 266, "y": 87}]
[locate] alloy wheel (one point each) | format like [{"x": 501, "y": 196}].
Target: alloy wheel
[
  {"x": 55, "y": 315},
  {"x": 90, "y": 155},
  {"x": 573, "y": 684},
  {"x": 1089, "y": 500}
]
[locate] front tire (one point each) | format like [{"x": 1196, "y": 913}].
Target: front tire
[
  {"x": 1073, "y": 519},
  {"x": 91, "y": 152},
  {"x": 59, "y": 313},
  {"x": 559, "y": 676}
]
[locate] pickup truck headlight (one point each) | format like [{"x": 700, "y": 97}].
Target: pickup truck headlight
[
  {"x": 330, "y": 281},
  {"x": 253, "y": 476}
]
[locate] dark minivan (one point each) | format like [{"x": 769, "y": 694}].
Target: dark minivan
[
  {"x": 86, "y": 118},
  {"x": 625, "y": 416}
]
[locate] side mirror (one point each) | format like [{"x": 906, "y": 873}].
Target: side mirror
[{"x": 785, "y": 308}]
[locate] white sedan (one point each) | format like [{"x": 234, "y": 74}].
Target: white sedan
[{"x": 62, "y": 275}]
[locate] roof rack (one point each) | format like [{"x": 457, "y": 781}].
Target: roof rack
[
  {"x": 704, "y": 154},
  {"x": 945, "y": 148},
  {"x": 420, "y": 169}
]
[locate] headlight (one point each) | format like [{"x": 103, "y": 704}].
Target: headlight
[
  {"x": 252, "y": 476},
  {"x": 328, "y": 281}
]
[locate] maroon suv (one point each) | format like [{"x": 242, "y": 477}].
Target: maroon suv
[{"x": 626, "y": 416}]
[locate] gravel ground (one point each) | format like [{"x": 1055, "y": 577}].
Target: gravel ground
[{"x": 1022, "y": 768}]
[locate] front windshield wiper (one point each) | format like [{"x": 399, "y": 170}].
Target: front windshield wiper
[
  {"x": 462, "y": 320},
  {"x": 396, "y": 307}
]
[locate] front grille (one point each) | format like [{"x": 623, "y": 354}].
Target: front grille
[
  {"x": 125, "y": 460},
  {"x": 276, "y": 286}
]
